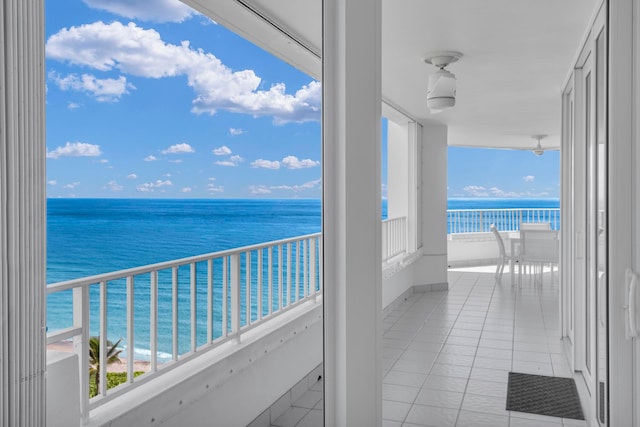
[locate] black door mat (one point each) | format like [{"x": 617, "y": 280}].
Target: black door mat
[{"x": 537, "y": 394}]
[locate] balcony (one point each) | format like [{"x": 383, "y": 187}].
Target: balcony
[
  {"x": 469, "y": 238},
  {"x": 248, "y": 304}
]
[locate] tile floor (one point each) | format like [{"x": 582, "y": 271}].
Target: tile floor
[{"x": 447, "y": 355}]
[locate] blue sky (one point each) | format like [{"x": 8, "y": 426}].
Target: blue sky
[
  {"x": 493, "y": 173},
  {"x": 162, "y": 102},
  {"x": 172, "y": 105}
]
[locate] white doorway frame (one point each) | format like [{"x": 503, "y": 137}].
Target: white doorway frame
[
  {"x": 621, "y": 198},
  {"x": 623, "y": 20}
]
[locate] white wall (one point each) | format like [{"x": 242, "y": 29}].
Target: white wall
[{"x": 395, "y": 283}]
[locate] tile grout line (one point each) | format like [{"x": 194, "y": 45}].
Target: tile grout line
[
  {"x": 464, "y": 393},
  {"x": 441, "y": 345}
]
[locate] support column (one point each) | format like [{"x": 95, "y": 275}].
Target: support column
[
  {"x": 432, "y": 267},
  {"x": 414, "y": 225},
  {"x": 351, "y": 212},
  {"x": 22, "y": 213}
]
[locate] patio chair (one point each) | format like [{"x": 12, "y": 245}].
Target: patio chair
[
  {"x": 537, "y": 249},
  {"x": 505, "y": 256}
]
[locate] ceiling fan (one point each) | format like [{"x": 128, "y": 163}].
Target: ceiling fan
[{"x": 538, "y": 151}]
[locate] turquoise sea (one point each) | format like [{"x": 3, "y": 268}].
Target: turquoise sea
[{"x": 92, "y": 236}]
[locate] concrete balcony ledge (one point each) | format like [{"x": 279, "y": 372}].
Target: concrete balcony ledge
[
  {"x": 473, "y": 249},
  {"x": 63, "y": 409},
  {"x": 399, "y": 262},
  {"x": 251, "y": 375}
]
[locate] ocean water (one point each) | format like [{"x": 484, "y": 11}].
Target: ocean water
[
  {"x": 92, "y": 236},
  {"x": 86, "y": 237},
  {"x": 491, "y": 203}
]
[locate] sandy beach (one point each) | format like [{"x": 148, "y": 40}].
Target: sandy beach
[{"x": 138, "y": 365}]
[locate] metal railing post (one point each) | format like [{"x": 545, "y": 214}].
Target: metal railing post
[
  {"x": 247, "y": 291},
  {"x": 174, "y": 313},
  {"x": 312, "y": 268},
  {"x": 193, "y": 297},
  {"x": 103, "y": 340},
  {"x": 130, "y": 329},
  {"x": 235, "y": 296},
  {"x": 81, "y": 345},
  {"x": 153, "y": 321}
]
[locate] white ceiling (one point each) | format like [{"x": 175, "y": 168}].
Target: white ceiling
[{"x": 517, "y": 55}]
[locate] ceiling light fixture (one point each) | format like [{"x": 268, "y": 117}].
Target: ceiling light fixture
[{"x": 441, "y": 88}]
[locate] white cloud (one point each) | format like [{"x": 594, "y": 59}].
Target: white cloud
[
  {"x": 479, "y": 191},
  {"x": 132, "y": 176},
  {"x": 175, "y": 161},
  {"x": 528, "y": 178},
  {"x": 75, "y": 149},
  {"x": 259, "y": 189},
  {"x": 222, "y": 151},
  {"x": 72, "y": 185},
  {"x": 113, "y": 186},
  {"x": 72, "y": 105},
  {"x": 295, "y": 188},
  {"x": 104, "y": 90},
  {"x": 151, "y": 186},
  {"x": 497, "y": 192},
  {"x": 160, "y": 11},
  {"x": 179, "y": 149},
  {"x": 226, "y": 163},
  {"x": 186, "y": 190},
  {"x": 233, "y": 161},
  {"x": 476, "y": 191},
  {"x": 52, "y": 182},
  {"x": 212, "y": 188},
  {"x": 292, "y": 162},
  {"x": 140, "y": 52},
  {"x": 265, "y": 164},
  {"x": 150, "y": 158},
  {"x": 103, "y": 161},
  {"x": 236, "y": 131}
]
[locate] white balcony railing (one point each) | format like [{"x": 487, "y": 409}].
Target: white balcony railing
[
  {"x": 394, "y": 237},
  {"x": 224, "y": 293},
  {"x": 480, "y": 220}
]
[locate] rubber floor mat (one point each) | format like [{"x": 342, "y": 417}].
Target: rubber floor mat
[{"x": 542, "y": 395}]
